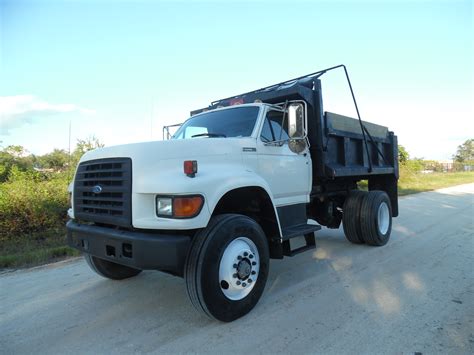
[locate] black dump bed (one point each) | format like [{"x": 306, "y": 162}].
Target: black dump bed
[{"x": 338, "y": 147}]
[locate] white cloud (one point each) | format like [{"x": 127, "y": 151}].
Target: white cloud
[{"x": 15, "y": 111}]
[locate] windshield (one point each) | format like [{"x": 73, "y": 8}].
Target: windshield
[{"x": 234, "y": 122}]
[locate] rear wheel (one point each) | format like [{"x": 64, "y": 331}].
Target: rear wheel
[
  {"x": 376, "y": 218},
  {"x": 227, "y": 267},
  {"x": 109, "y": 269},
  {"x": 351, "y": 216}
]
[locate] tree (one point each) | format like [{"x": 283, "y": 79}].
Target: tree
[
  {"x": 14, "y": 156},
  {"x": 84, "y": 145},
  {"x": 403, "y": 155},
  {"x": 16, "y": 151},
  {"x": 58, "y": 160},
  {"x": 465, "y": 152}
]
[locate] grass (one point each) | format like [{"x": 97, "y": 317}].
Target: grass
[
  {"x": 36, "y": 257},
  {"x": 412, "y": 183},
  {"x": 38, "y": 249},
  {"x": 35, "y": 249}
]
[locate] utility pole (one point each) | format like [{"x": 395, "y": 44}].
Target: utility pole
[
  {"x": 69, "y": 150},
  {"x": 151, "y": 118}
]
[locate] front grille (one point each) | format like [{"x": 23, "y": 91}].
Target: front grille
[{"x": 102, "y": 191}]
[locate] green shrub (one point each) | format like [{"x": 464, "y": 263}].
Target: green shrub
[
  {"x": 32, "y": 203},
  {"x": 413, "y": 165}
]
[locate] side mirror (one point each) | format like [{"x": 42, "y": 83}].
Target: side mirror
[
  {"x": 296, "y": 121},
  {"x": 297, "y": 127}
]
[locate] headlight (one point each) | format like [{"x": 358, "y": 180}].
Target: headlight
[
  {"x": 179, "y": 206},
  {"x": 164, "y": 206}
]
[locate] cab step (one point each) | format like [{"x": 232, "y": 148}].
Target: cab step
[
  {"x": 306, "y": 230},
  {"x": 299, "y": 230}
]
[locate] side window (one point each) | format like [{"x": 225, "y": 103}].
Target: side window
[
  {"x": 274, "y": 129},
  {"x": 266, "y": 135}
]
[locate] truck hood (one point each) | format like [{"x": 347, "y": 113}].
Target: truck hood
[{"x": 187, "y": 149}]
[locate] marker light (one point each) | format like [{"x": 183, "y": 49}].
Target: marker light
[
  {"x": 237, "y": 101},
  {"x": 190, "y": 167}
]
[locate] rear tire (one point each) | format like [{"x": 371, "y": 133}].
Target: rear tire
[
  {"x": 351, "y": 216},
  {"x": 109, "y": 269},
  {"x": 222, "y": 258},
  {"x": 376, "y": 218}
]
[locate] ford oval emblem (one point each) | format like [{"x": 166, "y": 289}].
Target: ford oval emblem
[{"x": 97, "y": 189}]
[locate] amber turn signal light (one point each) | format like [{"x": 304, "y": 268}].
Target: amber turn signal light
[{"x": 185, "y": 207}]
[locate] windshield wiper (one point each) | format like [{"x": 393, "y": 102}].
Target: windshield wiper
[{"x": 211, "y": 135}]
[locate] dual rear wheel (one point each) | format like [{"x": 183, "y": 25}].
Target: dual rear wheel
[{"x": 367, "y": 217}]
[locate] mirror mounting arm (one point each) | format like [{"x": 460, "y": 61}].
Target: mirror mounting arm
[{"x": 278, "y": 143}]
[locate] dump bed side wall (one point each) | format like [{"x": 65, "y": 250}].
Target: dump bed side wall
[{"x": 345, "y": 151}]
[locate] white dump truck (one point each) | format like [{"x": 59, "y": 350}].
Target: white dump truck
[{"x": 231, "y": 189}]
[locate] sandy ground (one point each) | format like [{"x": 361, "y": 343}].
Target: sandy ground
[{"x": 413, "y": 295}]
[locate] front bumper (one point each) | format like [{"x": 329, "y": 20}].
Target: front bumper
[{"x": 145, "y": 251}]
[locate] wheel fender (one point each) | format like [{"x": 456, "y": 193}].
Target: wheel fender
[{"x": 224, "y": 184}]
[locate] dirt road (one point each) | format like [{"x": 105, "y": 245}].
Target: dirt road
[{"x": 414, "y": 295}]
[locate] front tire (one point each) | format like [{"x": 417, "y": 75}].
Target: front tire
[
  {"x": 227, "y": 267},
  {"x": 109, "y": 269}
]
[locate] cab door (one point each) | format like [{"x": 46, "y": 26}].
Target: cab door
[{"x": 287, "y": 173}]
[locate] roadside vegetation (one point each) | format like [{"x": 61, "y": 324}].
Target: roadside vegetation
[
  {"x": 419, "y": 175},
  {"x": 34, "y": 202},
  {"x": 413, "y": 182},
  {"x": 34, "y": 198}
]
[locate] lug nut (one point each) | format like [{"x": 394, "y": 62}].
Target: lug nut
[
  {"x": 235, "y": 266},
  {"x": 245, "y": 254},
  {"x": 254, "y": 263},
  {"x": 249, "y": 281},
  {"x": 239, "y": 257},
  {"x": 234, "y": 276},
  {"x": 251, "y": 256},
  {"x": 253, "y": 272},
  {"x": 238, "y": 282},
  {"x": 244, "y": 284}
]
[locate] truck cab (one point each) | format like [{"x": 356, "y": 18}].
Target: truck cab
[{"x": 230, "y": 189}]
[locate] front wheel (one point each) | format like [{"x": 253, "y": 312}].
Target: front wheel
[
  {"x": 109, "y": 269},
  {"x": 227, "y": 267}
]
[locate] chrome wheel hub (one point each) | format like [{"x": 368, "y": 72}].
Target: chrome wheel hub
[
  {"x": 383, "y": 218},
  {"x": 243, "y": 269},
  {"x": 238, "y": 268}
]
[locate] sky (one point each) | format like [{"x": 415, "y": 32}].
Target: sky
[{"x": 120, "y": 70}]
